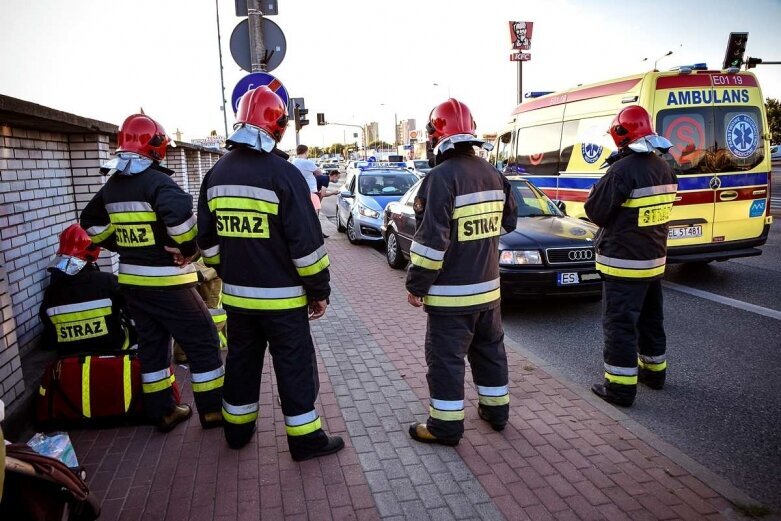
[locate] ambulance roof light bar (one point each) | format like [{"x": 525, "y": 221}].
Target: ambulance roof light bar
[
  {"x": 537, "y": 93},
  {"x": 688, "y": 69}
]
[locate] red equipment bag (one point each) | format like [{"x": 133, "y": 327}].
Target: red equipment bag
[{"x": 92, "y": 390}]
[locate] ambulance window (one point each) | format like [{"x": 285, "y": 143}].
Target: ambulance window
[
  {"x": 538, "y": 149},
  {"x": 691, "y": 132},
  {"x": 739, "y": 137},
  {"x": 502, "y": 151},
  {"x": 569, "y": 135}
]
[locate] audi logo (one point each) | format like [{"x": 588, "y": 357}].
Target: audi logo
[{"x": 580, "y": 255}]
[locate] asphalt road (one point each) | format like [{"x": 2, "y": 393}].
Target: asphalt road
[{"x": 722, "y": 401}]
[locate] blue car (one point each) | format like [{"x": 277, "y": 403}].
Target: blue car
[{"x": 367, "y": 191}]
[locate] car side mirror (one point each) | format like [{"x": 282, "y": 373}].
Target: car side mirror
[
  {"x": 561, "y": 206},
  {"x": 346, "y": 194}
]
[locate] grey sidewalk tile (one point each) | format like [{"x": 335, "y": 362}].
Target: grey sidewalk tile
[
  {"x": 414, "y": 510},
  {"x": 387, "y": 504}
]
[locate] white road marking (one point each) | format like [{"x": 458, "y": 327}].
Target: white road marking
[{"x": 766, "y": 312}]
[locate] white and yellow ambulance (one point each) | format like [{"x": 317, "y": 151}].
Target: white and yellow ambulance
[{"x": 717, "y": 123}]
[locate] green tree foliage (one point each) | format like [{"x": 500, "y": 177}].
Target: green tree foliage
[
  {"x": 380, "y": 145},
  {"x": 773, "y": 107}
]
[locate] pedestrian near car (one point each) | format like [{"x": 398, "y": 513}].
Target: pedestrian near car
[
  {"x": 258, "y": 230},
  {"x": 142, "y": 214},
  {"x": 308, "y": 170},
  {"x": 631, "y": 204},
  {"x": 462, "y": 206}
]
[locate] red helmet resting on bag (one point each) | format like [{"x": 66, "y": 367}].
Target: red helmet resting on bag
[
  {"x": 262, "y": 108},
  {"x": 448, "y": 119},
  {"x": 75, "y": 242},
  {"x": 144, "y": 136},
  {"x": 629, "y": 125}
]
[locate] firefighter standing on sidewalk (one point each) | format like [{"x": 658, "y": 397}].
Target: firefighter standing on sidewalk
[
  {"x": 82, "y": 310},
  {"x": 257, "y": 227},
  {"x": 631, "y": 204},
  {"x": 461, "y": 208},
  {"x": 142, "y": 214}
]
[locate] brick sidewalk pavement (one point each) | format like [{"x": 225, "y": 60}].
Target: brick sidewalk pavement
[{"x": 559, "y": 457}]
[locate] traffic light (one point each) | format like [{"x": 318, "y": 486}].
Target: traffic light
[
  {"x": 300, "y": 117},
  {"x": 736, "y": 46},
  {"x": 753, "y": 62},
  {"x": 320, "y": 119}
]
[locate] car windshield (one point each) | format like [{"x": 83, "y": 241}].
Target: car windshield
[
  {"x": 385, "y": 182},
  {"x": 531, "y": 202},
  {"x": 422, "y": 165}
]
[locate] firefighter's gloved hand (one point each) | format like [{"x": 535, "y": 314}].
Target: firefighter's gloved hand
[
  {"x": 414, "y": 301},
  {"x": 317, "y": 309}
]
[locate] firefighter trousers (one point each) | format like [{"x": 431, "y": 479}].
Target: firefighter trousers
[
  {"x": 633, "y": 324},
  {"x": 479, "y": 337},
  {"x": 161, "y": 314},
  {"x": 295, "y": 366}
]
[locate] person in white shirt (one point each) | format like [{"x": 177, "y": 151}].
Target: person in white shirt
[{"x": 309, "y": 170}]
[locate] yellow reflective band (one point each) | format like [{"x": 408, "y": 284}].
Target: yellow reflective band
[
  {"x": 223, "y": 340},
  {"x": 622, "y": 380},
  {"x": 652, "y": 367},
  {"x": 42, "y": 390},
  {"x": 208, "y": 386},
  {"x": 246, "y": 225},
  {"x": 85, "y": 374},
  {"x": 476, "y": 209},
  {"x": 654, "y": 215},
  {"x": 630, "y": 273},
  {"x": 169, "y": 280},
  {"x": 219, "y": 318},
  {"x": 494, "y": 400},
  {"x": 317, "y": 267},
  {"x": 243, "y": 203},
  {"x": 462, "y": 301},
  {"x": 126, "y": 343},
  {"x": 127, "y": 381},
  {"x": 154, "y": 387},
  {"x": 212, "y": 260},
  {"x": 81, "y": 330},
  {"x": 479, "y": 227},
  {"x": 651, "y": 200},
  {"x": 264, "y": 303},
  {"x": 186, "y": 236},
  {"x": 134, "y": 235},
  {"x": 446, "y": 415},
  {"x": 133, "y": 217},
  {"x": 301, "y": 430},
  {"x": 74, "y": 316},
  {"x": 423, "y": 262},
  {"x": 102, "y": 236},
  {"x": 239, "y": 418}
]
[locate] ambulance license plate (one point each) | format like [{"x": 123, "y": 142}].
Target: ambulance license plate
[
  {"x": 684, "y": 232},
  {"x": 565, "y": 279}
]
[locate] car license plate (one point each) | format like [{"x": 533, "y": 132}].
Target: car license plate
[
  {"x": 684, "y": 232},
  {"x": 565, "y": 279}
]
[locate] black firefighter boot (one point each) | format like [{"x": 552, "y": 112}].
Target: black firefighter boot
[
  {"x": 496, "y": 423},
  {"x": 314, "y": 445},
  {"x": 653, "y": 379},
  {"x": 419, "y": 432},
  {"x": 617, "y": 394}
]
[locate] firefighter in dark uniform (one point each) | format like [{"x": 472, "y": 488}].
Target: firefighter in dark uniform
[
  {"x": 462, "y": 206},
  {"x": 142, "y": 214},
  {"x": 83, "y": 310},
  {"x": 631, "y": 204},
  {"x": 257, "y": 227}
]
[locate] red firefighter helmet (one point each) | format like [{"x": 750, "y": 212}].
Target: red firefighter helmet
[
  {"x": 143, "y": 135},
  {"x": 75, "y": 242},
  {"x": 263, "y": 108},
  {"x": 448, "y": 119},
  {"x": 629, "y": 125}
]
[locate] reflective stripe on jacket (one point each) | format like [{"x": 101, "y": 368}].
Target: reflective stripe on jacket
[
  {"x": 257, "y": 227},
  {"x": 461, "y": 208},
  {"x": 632, "y": 204}
]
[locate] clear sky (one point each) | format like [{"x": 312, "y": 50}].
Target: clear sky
[{"x": 357, "y": 60}]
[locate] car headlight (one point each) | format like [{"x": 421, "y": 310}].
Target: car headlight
[
  {"x": 513, "y": 258},
  {"x": 368, "y": 212}
]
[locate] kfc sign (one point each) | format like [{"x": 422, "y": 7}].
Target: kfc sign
[
  {"x": 521, "y": 35},
  {"x": 520, "y": 56}
]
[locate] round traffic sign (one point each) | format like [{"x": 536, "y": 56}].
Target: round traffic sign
[
  {"x": 253, "y": 81},
  {"x": 273, "y": 41}
]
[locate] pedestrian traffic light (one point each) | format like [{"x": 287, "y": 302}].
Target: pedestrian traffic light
[
  {"x": 753, "y": 62},
  {"x": 320, "y": 119},
  {"x": 736, "y": 46}
]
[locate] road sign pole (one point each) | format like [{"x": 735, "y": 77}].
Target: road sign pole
[
  {"x": 256, "y": 47},
  {"x": 222, "y": 78},
  {"x": 520, "y": 82}
]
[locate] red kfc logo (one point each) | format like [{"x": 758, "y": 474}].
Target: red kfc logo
[{"x": 521, "y": 35}]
